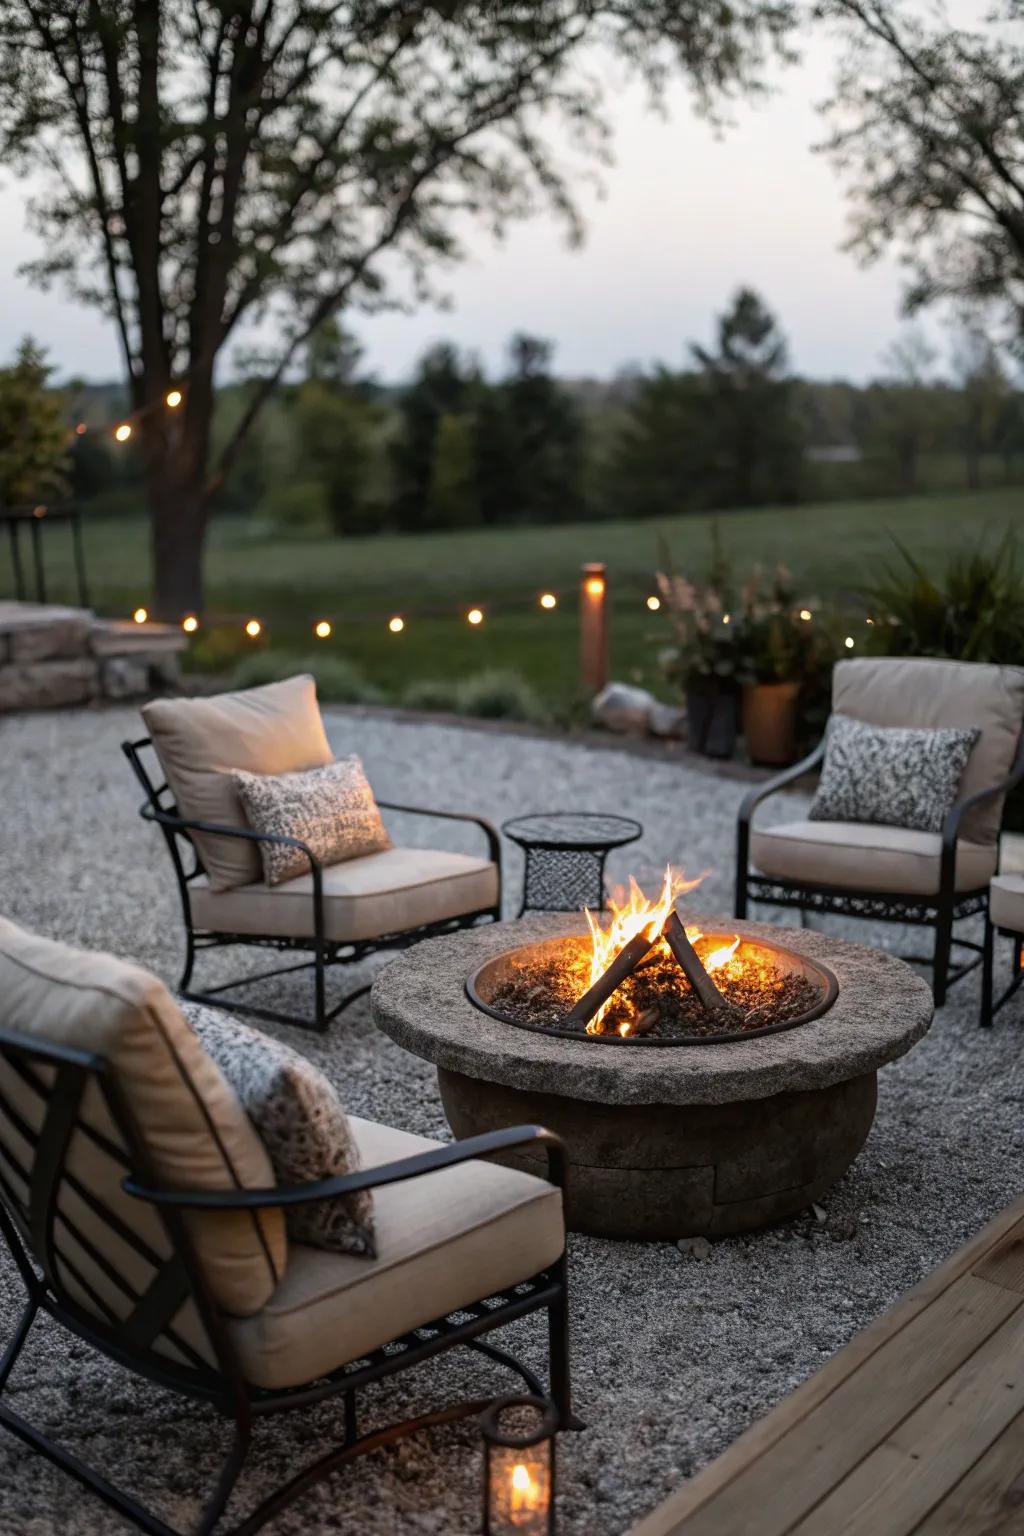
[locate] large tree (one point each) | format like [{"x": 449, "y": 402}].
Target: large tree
[
  {"x": 928, "y": 124},
  {"x": 206, "y": 162}
]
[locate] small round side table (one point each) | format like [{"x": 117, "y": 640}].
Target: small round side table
[{"x": 565, "y": 856}]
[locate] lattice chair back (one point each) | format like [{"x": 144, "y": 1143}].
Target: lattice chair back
[
  {"x": 932, "y": 693},
  {"x": 75, "y": 1122}
]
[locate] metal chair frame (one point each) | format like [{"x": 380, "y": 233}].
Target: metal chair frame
[
  {"x": 61, "y": 1076},
  {"x": 159, "y": 808},
  {"x": 939, "y": 911}
]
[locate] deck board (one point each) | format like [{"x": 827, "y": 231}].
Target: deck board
[
  {"x": 862, "y": 1406},
  {"x": 989, "y": 1500}
]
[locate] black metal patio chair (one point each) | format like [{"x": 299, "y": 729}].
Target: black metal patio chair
[
  {"x": 129, "y": 1265},
  {"x": 337, "y": 914},
  {"x": 887, "y": 873}
]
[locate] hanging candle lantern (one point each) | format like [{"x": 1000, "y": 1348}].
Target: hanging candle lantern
[{"x": 519, "y": 1467}]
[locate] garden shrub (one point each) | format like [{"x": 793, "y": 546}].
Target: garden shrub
[
  {"x": 338, "y": 680},
  {"x": 496, "y": 694}
]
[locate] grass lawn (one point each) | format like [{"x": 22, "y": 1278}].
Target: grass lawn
[{"x": 432, "y": 580}]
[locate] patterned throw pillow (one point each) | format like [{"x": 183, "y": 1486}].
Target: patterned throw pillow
[
  {"x": 299, "y": 1119},
  {"x": 331, "y": 809},
  {"x": 891, "y": 776}
]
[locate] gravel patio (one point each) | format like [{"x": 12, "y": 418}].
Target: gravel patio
[{"x": 673, "y": 1356}]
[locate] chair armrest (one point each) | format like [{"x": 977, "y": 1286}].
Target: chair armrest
[
  {"x": 248, "y": 834},
  {"x": 488, "y": 828},
  {"x": 414, "y": 1167},
  {"x": 752, "y": 799}
]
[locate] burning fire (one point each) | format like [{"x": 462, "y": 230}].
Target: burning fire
[{"x": 636, "y": 915}]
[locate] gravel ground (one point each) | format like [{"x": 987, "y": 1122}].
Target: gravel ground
[{"x": 673, "y": 1356}]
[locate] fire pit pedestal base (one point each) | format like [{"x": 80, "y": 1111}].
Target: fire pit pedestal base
[
  {"x": 668, "y": 1170},
  {"x": 675, "y": 1141}
]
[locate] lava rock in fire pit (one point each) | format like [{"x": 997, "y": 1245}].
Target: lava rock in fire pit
[{"x": 656, "y": 1001}]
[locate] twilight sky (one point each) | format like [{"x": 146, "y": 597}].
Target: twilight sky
[{"x": 686, "y": 218}]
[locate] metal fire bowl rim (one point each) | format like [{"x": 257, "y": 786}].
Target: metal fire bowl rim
[{"x": 828, "y": 983}]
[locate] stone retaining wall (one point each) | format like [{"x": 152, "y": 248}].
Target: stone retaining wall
[{"x": 52, "y": 656}]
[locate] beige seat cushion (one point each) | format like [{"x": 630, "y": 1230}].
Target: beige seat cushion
[
  {"x": 443, "y": 1241},
  {"x": 275, "y": 729},
  {"x": 1006, "y": 902},
  {"x": 365, "y": 898},
  {"x": 928, "y": 692},
  {"x": 858, "y": 856},
  {"x": 195, "y": 1132},
  {"x": 1011, "y": 853}
]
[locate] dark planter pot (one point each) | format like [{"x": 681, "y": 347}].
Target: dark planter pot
[{"x": 711, "y": 721}]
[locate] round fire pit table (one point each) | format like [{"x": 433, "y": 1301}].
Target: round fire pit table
[
  {"x": 565, "y": 857},
  {"x": 704, "y": 1139}
]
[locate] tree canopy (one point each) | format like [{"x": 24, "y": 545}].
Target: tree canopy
[
  {"x": 928, "y": 125},
  {"x": 207, "y": 162}
]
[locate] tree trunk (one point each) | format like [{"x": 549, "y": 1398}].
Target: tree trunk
[{"x": 177, "y": 532}]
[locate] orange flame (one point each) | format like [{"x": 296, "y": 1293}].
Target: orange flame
[
  {"x": 721, "y": 956},
  {"x": 636, "y": 915}
]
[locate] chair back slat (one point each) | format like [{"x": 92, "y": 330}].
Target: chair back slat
[{"x": 116, "y": 1269}]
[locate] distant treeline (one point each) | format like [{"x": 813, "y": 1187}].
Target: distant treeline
[{"x": 455, "y": 449}]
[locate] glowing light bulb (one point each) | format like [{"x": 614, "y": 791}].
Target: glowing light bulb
[
  {"x": 173, "y": 398},
  {"x": 396, "y": 625},
  {"x": 805, "y": 614},
  {"x": 849, "y": 642},
  {"x": 190, "y": 624},
  {"x": 123, "y": 432},
  {"x": 81, "y": 429},
  {"x": 726, "y": 617},
  {"x": 548, "y": 600},
  {"x": 594, "y": 586},
  {"x": 475, "y": 616},
  {"x": 653, "y": 603},
  {"x": 253, "y": 628},
  {"x": 140, "y": 615},
  {"x": 322, "y": 630}
]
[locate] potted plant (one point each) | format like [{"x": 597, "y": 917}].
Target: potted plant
[
  {"x": 703, "y": 659},
  {"x": 781, "y": 649}
]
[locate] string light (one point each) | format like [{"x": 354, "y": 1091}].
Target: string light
[
  {"x": 173, "y": 399},
  {"x": 653, "y": 603},
  {"x": 805, "y": 614},
  {"x": 475, "y": 616},
  {"x": 396, "y": 625},
  {"x": 123, "y": 432},
  {"x": 726, "y": 618},
  {"x": 81, "y": 429},
  {"x": 253, "y": 628},
  {"x": 190, "y": 624},
  {"x": 869, "y": 620},
  {"x": 849, "y": 642},
  {"x": 594, "y": 585},
  {"x": 548, "y": 600},
  {"x": 322, "y": 630},
  {"x": 140, "y": 615}
]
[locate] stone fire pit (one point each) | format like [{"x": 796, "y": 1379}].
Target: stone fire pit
[{"x": 705, "y": 1139}]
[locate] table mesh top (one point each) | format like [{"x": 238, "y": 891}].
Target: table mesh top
[{"x": 573, "y": 829}]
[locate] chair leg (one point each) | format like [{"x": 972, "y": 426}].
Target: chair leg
[
  {"x": 558, "y": 1351},
  {"x": 985, "y": 1018},
  {"x": 740, "y": 899},
  {"x": 320, "y": 1006},
  {"x": 943, "y": 951},
  {"x": 190, "y": 961}
]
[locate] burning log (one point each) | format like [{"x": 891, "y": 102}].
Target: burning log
[
  {"x": 626, "y": 961},
  {"x": 640, "y": 1026},
  {"x": 711, "y": 999}
]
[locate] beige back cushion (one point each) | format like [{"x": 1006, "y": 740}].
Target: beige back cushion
[
  {"x": 931, "y": 693},
  {"x": 200, "y": 742},
  {"x": 195, "y": 1132}
]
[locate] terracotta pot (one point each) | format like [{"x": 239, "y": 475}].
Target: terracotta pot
[
  {"x": 711, "y": 721},
  {"x": 770, "y": 721}
]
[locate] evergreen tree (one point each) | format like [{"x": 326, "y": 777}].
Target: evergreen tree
[{"x": 34, "y": 457}]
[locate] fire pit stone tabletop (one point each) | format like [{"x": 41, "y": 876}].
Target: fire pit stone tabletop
[{"x": 664, "y": 1143}]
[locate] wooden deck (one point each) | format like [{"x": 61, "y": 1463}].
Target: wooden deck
[{"x": 916, "y": 1426}]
